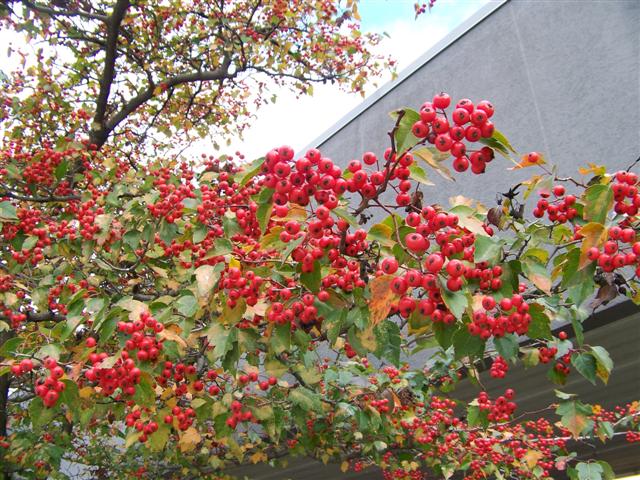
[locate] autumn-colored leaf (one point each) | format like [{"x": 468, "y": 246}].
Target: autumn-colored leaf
[
  {"x": 529, "y": 160},
  {"x": 531, "y": 458},
  {"x": 172, "y": 332},
  {"x": 594, "y": 235},
  {"x": 189, "y": 440},
  {"x": 381, "y": 298}
]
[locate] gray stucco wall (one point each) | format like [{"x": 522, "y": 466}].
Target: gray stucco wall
[{"x": 564, "y": 76}]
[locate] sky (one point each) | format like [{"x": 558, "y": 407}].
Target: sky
[{"x": 297, "y": 122}]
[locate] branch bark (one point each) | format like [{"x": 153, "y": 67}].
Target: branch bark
[
  {"x": 99, "y": 135},
  {"x": 36, "y": 7},
  {"x": 136, "y": 102},
  {"x": 41, "y": 317}
]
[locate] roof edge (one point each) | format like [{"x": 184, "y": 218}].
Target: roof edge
[{"x": 449, "y": 39}]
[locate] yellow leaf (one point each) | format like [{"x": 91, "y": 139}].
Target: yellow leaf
[
  {"x": 132, "y": 437},
  {"x": 344, "y": 466},
  {"x": 594, "y": 169},
  {"x": 258, "y": 457},
  {"x": 426, "y": 154},
  {"x": 381, "y": 298},
  {"x": 189, "y": 440},
  {"x": 460, "y": 200},
  {"x": 85, "y": 392},
  {"x": 531, "y": 458},
  {"x": 594, "y": 235},
  {"x": 172, "y": 332},
  {"x": 526, "y": 162},
  {"x": 206, "y": 277}
]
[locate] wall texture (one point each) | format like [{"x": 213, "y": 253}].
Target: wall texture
[{"x": 564, "y": 76}]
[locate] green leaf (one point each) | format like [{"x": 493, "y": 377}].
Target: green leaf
[
  {"x": 280, "y": 340},
  {"x": 342, "y": 213},
  {"x": 306, "y": 399},
  {"x": 132, "y": 238},
  {"x": 537, "y": 273},
  {"x": 574, "y": 416},
  {"x": 487, "y": 249},
  {"x": 589, "y": 471},
  {"x": 598, "y": 203},
  {"x": 251, "y": 170},
  {"x": 507, "y": 346},
  {"x": 496, "y": 145},
  {"x": 604, "y": 364},
  {"x": 8, "y": 211},
  {"x": 540, "y": 323},
  {"x": 312, "y": 279},
  {"x": 467, "y": 345},
  {"x": 444, "y": 334},
  {"x": 500, "y": 137},
  {"x": 382, "y": 234},
  {"x": 145, "y": 395},
  {"x": 222, "y": 246},
  {"x": 265, "y": 207},
  {"x": 477, "y": 417},
  {"x": 456, "y": 302},
  {"x": 39, "y": 414},
  {"x": 404, "y": 139},
  {"x": 291, "y": 246},
  {"x": 10, "y": 347},
  {"x": 388, "y": 334},
  {"x": 168, "y": 231},
  {"x": 418, "y": 174},
  {"x": 187, "y": 305},
  {"x": 585, "y": 364},
  {"x": 199, "y": 233}
]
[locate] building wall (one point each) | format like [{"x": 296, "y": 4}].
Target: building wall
[{"x": 563, "y": 75}]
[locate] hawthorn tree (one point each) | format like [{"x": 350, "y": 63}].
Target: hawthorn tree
[{"x": 162, "y": 316}]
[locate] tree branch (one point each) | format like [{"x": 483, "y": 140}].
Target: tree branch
[
  {"x": 63, "y": 13},
  {"x": 40, "y": 317},
  {"x": 39, "y": 199},
  {"x": 99, "y": 135},
  {"x": 201, "y": 76}
]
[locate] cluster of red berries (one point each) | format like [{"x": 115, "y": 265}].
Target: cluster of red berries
[
  {"x": 499, "y": 410},
  {"x": 499, "y": 367},
  {"x": 25, "y": 366},
  {"x": 182, "y": 375},
  {"x": 124, "y": 374},
  {"x": 559, "y": 210},
  {"x": 621, "y": 249},
  {"x": 169, "y": 206},
  {"x": 513, "y": 317},
  {"x": 264, "y": 385},
  {"x": 147, "y": 346},
  {"x": 304, "y": 310},
  {"x": 86, "y": 214},
  {"x": 238, "y": 415},
  {"x": 133, "y": 420},
  {"x": 184, "y": 417},
  {"x": 6, "y": 283},
  {"x": 238, "y": 285},
  {"x": 563, "y": 365},
  {"x": 470, "y": 122},
  {"x": 625, "y": 193},
  {"x": 546, "y": 354},
  {"x": 382, "y": 405},
  {"x": 49, "y": 388}
]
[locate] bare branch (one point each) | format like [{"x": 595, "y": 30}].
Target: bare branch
[
  {"x": 36, "y": 7},
  {"x": 108, "y": 74},
  {"x": 220, "y": 73}
]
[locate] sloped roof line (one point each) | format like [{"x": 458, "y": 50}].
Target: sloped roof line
[{"x": 438, "y": 48}]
